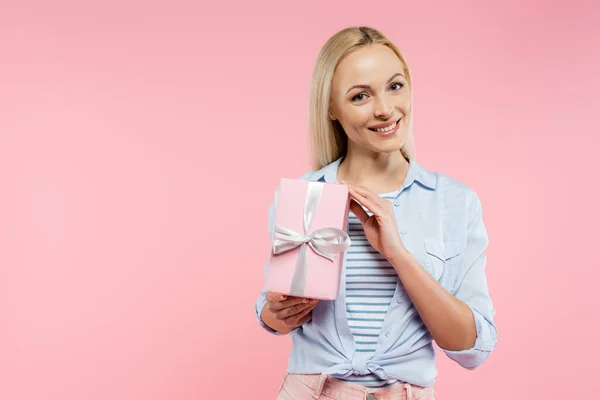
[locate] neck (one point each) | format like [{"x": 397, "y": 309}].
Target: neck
[{"x": 379, "y": 172}]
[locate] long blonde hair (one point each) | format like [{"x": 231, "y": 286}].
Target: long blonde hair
[{"x": 328, "y": 142}]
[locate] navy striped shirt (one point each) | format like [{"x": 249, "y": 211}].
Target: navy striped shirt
[{"x": 370, "y": 284}]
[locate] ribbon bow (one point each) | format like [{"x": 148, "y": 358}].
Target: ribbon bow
[{"x": 324, "y": 242}]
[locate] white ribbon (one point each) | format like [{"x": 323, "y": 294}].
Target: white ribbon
[{"x": 324, "y": 242}]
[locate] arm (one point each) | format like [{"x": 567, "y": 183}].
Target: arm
[
  {"x": 462, "y": 322},
  {"x": 448, "y": 319}
]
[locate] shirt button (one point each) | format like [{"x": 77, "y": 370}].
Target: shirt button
[
  {"x": 387, "y": 333},
  {"x": 396, "y": 202},
  {"x": 398, "y": 300}
]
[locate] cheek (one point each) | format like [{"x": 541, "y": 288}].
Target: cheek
[
  {"x": 357, "y": 119},
  {"x": 405, "y": 103}
]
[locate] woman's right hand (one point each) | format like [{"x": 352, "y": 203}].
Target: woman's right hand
[{"x": 291, "y": 311}]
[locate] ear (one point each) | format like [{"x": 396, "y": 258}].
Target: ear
[{"x": 331, "y": 115}]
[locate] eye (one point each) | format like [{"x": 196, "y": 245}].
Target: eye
[
  {"x": 356, "y": 98},
  {"x": 399, "y": 86}
]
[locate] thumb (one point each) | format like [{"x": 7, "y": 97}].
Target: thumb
[{"x": 273, "y": 296}]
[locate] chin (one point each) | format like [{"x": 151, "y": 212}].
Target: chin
[
  {"x": 390, "y": 149},
  {"x": 388, "y": 146}
]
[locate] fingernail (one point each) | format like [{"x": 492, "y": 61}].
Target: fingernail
[{"x": 305, "y": 300}]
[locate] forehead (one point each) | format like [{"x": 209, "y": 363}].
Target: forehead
[{"x": 370, "y": 65}]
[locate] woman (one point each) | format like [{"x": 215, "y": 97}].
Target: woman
[{"x": 416, "y": 269}]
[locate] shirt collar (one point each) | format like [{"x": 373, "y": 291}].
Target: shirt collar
[{"x": 416, "y": 172}]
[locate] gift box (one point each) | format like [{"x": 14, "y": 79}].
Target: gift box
[{"x": 309, "y": 239}]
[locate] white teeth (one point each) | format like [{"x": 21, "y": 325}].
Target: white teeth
[{"x": 389, "y": 128}]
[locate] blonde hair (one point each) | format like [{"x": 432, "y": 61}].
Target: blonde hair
[{"x": 328, "y": 141}]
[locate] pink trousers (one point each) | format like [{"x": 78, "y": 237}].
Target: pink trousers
[{"x": 310, "y": 387}]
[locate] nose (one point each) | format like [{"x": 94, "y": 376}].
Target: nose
[{"x": 383, "y": 109}]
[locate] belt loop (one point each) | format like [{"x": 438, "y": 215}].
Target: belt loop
[
  {"x": 320, "y": 385},
  {"x": 408, "y": 388}
]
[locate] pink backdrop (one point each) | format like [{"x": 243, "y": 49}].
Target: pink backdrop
[{"x": 135, "y": 136}]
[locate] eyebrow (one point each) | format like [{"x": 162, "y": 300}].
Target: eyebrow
[{"x": 369, "y": 87}]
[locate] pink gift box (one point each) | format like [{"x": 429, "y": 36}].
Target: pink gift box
[{"x": 309, "y": 263}]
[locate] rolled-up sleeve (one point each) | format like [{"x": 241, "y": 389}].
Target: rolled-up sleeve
[
  {"x": 261, "y": 301},
  {"x": 471, "y": 287}
]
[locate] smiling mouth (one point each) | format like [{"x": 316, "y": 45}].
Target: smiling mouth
[{"x": 388, "y": 128}]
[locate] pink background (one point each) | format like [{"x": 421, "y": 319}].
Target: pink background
[{"x": 136, "y": 136}]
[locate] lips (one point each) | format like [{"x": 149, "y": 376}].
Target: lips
[{"x": 376, "y": 128}]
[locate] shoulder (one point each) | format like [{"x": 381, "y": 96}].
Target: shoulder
[
  {"x": 313, "y": 175},
  {"x": 452, "y": 185},
  {"x": 459, "y": 197},
  {"x": 455, "y": 196},
  {"x": 327, "y": 173}
]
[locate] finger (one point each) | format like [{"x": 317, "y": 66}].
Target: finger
[
  {"x": 369, "y": 195},
  {"x": 301, "y": 317},
  {"x": 276, "y": 306},
  {"x": 292, "y": 311},
  {"x": 311, "y": 307},
  {"x": 274, "y": 296},
  {"x": 360, "y": 212},
  {"x": 305, "y": 319},
  {"x": 371, "y": 206},
  {"x": 312, "y": 304},
  {"x": 363, "y": 191}
]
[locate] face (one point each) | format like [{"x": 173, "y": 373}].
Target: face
[{"x": 370, "y": 98}]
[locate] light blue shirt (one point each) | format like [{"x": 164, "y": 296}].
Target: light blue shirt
[{"x": 440, "y": 222}]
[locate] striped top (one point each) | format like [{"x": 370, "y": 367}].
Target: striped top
[{"x": 370, "y": 284}]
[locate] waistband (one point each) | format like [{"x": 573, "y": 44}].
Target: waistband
[{"x": 337, "y": 388}]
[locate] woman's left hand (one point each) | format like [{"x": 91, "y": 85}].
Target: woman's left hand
[{"x": 380, "y": 229}]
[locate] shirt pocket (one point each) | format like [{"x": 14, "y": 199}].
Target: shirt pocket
[{"x": 440, "y": 259}]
